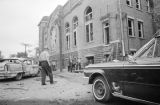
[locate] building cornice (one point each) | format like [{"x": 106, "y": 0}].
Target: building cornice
[
  {"x": 45, "y": 19},
  {"x": 72, "y": 7}
]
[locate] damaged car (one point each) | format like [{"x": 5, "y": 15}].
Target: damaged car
[{"x": 17, "y": 69}]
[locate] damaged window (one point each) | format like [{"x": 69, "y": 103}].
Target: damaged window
[
  {"x": 148, "y": 52},
  {"x": 152, "y": 50}
]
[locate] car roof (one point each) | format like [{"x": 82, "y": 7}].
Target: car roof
[
  {"x": 9, "y": 59},
  {"x": 2, "y": 60}
]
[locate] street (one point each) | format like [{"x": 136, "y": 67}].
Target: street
[{"x": 68, "y": 89}]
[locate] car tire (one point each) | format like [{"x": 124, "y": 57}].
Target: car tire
[
  {"x": 19, "y": 76},
  {"x": 100, "y": 89}
]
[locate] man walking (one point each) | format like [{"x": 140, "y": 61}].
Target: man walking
[{"x": 45, "y": 65}]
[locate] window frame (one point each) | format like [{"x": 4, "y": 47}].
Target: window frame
[
  {"x": 148, "y": 6},
  {"x": 88, "y": 15},
  {"x": 68, "y": 42},
  {"x": 90, "y": 59},
  {"x": 89, "y": 24},
  {"x": 132, "y": 27},
  {"x": 104, "y": 32},
  {"x": 67, "y": 33},
  {"x": 75, "y": 38},
  {"x": 130, "y": 3},
  {"x": 138, "y": 3},
  {"x": 75, "y": 25},
  {"x": 140, "y": 30}
]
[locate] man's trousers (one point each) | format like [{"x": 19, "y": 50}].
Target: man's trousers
[{"x": 46, "y": 71}]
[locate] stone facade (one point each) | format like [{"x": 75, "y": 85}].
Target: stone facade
[
  {"x": 54, "y": 35},
  {"x": 50, "y": 36},
  {"x": 95, "y": 31},
  {"x": 105, "y": 12},
  {"x": 43, "y": 35},
  {"x": 156, "y": 19},
  {"x": 144, "y": 15}
]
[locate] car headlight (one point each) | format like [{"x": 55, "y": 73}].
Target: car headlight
[
  {"x": 5, "y": 67},
  {"x": 1, "y": 68}
]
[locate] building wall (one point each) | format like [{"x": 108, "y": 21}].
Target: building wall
[
  {"x": 53, "y": 31},
  {"x": 54, "y": 36},
  {"x": 156, "y": 20},
  {"x": 106, "y": 10},
  {"x": 134, "y": 43},
  {"x": 100, "y": 9},
  {"x": 43, "y": 34},
  {"x": 103, "y": 11}
]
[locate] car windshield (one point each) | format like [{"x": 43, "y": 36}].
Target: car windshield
[
  {"x": 151, "y": 50},
  {"x": 2, "y": 60},
  {"x": 28, "y": 62},
  {"x": 7, "y": 61}
]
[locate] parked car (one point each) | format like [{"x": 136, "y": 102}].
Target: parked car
[
  {"x": 137, "y": 79},
  {"x": 15, "y": 68},
  {"x": 30, "y": 68}
]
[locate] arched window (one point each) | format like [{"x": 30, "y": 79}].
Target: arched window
[
  {"x": 67, "y": 30},
  {"x": 88, "y": 14},
  {"x": 75, "y": 22},
  {"x": 75, "y": 25},
  {"x": 89, "y": 24},
  {"x": 53, "y": 33}
]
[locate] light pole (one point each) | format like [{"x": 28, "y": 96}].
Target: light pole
[{"x": 25, "y": 46}]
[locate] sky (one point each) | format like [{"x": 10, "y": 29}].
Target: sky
[{"x": 19, "y": 23}]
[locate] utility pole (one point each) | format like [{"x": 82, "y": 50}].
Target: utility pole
[
  {"x": 121, "y": 23},
  {"x": 25, "y": 46}
]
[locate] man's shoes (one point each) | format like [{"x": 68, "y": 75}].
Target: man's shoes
[
  {"x": 44, "y": 84},
  {"x": 52, "y": 83}
]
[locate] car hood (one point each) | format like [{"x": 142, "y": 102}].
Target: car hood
[
  {"x": 121, "y": 64},
  {"x": 107, "y": 64}
]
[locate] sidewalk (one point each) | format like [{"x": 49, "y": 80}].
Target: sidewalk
[
  {"x": 65, "y": 73},
  {"x": 71, "y": 76}
]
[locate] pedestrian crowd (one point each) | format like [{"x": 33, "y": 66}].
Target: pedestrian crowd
[{"x": 74, "y": 64}]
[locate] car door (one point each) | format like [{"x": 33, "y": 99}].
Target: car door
[
  {"x": 142, "y": 77},
  {"x": 15, "y": 66},
  {"x": 27, "y": 66},
  {"x": 33, "y": 68}
]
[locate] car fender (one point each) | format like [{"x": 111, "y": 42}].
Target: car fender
[{"x": 97, "y": 73}]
